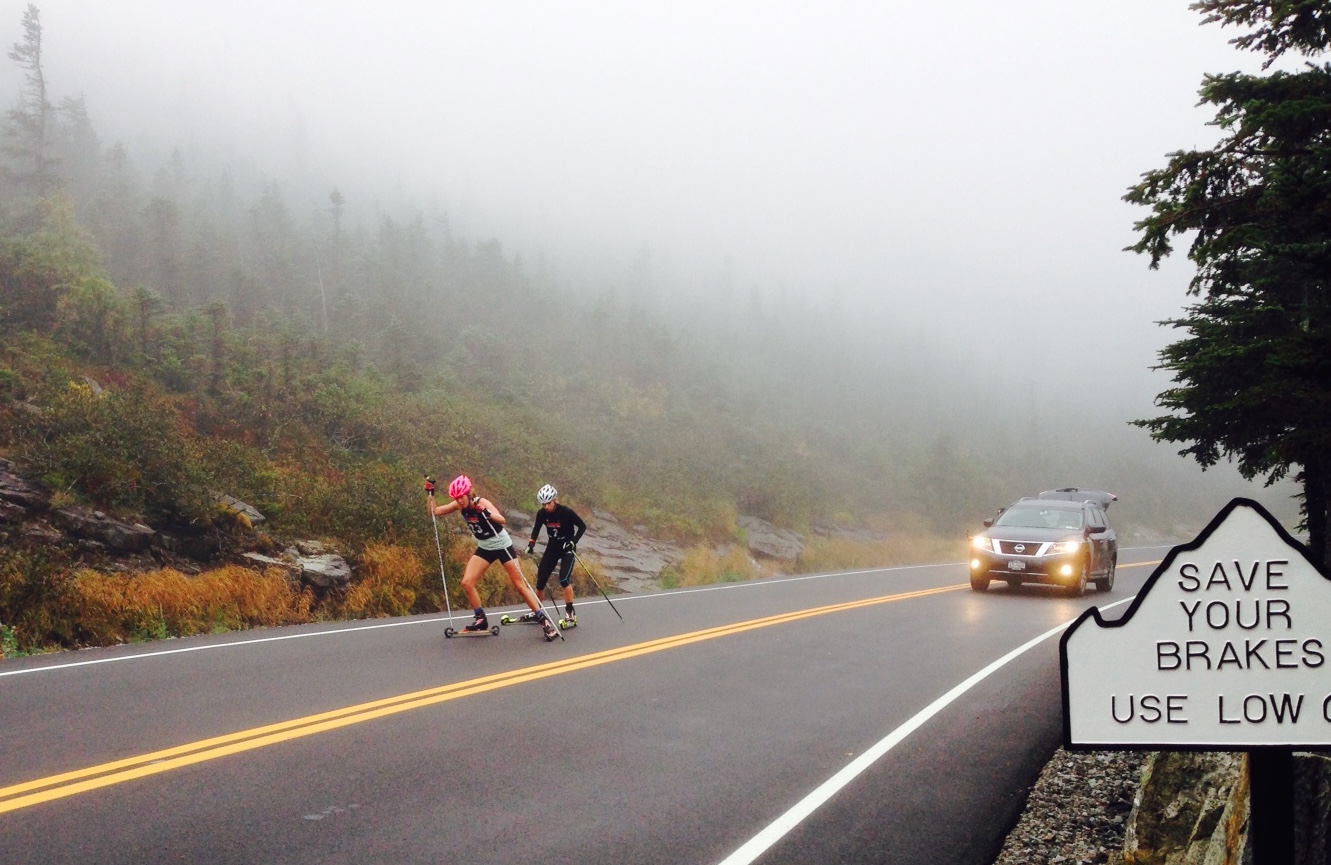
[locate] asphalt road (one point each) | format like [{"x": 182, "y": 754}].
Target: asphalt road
[{"x": 679, "y": 735}]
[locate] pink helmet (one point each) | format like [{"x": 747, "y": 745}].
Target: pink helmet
[{"x": 460, "y": 487}]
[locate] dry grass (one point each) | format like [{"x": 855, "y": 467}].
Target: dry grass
[
  {"x": 115, "y": 608},
  {"x": 703, "y": 565},
  {"x": 912, "y": 548},
  {"x": 392, "y": 579}
]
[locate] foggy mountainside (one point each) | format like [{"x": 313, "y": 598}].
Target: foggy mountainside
[
  {"x": 303, "y": 332},
  {"x": 313, "y": 345}
]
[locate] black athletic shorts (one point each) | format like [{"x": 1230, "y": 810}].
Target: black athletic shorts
[
  {"x": 552, "y": 557},
  {"x": 507, "y": 555}
]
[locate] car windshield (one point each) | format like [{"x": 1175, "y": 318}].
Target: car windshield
[{"x": 1040, "y": 518}]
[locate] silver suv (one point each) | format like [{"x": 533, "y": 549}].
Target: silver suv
[{"x": 1060, "y": 538}]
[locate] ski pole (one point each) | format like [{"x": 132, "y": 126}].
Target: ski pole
[
  {"x": 514, "y": 559},
  {"x": 597, "y": 584},
  {"x": 440, "y": 549}
]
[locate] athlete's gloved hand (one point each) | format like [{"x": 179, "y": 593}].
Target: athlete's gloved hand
[
  {"x": 429, "y": 487},
  {"x": 570, "y": 547},
  {"x": 531, "y": 548}
]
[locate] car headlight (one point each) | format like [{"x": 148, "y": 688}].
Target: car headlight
[
  {"x": 980, "y": 542},
  {"x": 1063, "y": 547}
]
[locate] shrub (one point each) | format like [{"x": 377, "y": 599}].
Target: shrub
[
  {"x": 33, "y": 586},
  {"x": 123, "y": 448}
]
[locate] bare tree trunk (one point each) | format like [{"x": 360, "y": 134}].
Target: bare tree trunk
[{"x": 1315, "y": 509}]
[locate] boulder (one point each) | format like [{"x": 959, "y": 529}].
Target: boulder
[
  {"x": 96, "y": 526},
  {"x": 326, "y": 571},
  {"x": 1312, "y": 809},
  {"x": 1191, "y": 809},
  {"x": 765, "y": 539},
  {"x": 263, "y": 563},
  {"x": 12, "y": 513},
  {"x": 17, "y": 490},
  {"x": 233, "y": 505},
  {"x": 634, "y": 563},
  {"x": 843, "y": 533},
  {"x": 42, "y": 532},
  {"x": 519, "y": 522},
  {"x": 199, "y": 547}
]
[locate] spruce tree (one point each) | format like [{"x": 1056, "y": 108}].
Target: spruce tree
[{"x": 1252, "y": 373}]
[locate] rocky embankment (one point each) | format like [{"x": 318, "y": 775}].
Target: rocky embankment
[
  {"x": 625, "y": 555},
  {"x": 28, "y": 512},
  {"x": 1159, "y": 808},
  {"x": 633, "y": 561}
]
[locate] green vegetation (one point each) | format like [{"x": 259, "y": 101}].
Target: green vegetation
[
  {"x": 175, "y": 330},
  {"x": 1253, "y": 372}
]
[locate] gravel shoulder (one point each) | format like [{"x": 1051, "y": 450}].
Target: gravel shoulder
[{"x": 1077, "y": 812}]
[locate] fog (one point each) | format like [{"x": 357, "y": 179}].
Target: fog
[{"x": 945, "y": 181}]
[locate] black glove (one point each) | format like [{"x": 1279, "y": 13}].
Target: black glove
[
  {"x": 531, "y": 548},
  {"x": 429, "y": 486}
]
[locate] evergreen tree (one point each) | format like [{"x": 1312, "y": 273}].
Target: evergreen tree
[
  {"x": 1253, "y": 374},
  {"x": 27, "y": 127}
]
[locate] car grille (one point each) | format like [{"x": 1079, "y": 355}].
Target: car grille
[{"x": 1028, "y": 548}]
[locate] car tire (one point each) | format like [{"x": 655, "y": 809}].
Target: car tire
[
  {"x": 979, "y": 582},
  {"x": 1107, "y": 583},
  {"x": 1078, "y": 589}
]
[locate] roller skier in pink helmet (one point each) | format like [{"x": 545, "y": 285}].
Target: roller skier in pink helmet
[{"x": 493, "y": 543}]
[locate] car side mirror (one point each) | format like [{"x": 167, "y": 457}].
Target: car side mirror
[{"x": 988, "y": 521}]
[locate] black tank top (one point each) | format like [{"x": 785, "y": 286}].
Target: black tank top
[{"x": 481, "y": 528}]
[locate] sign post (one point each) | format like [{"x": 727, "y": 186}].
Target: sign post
[{"x": 1224, "y": 649}]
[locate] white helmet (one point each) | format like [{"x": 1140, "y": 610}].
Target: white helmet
[{"x": 546, "y": 494}]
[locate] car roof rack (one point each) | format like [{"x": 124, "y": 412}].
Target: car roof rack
[{"x": 1077, "y": 494}]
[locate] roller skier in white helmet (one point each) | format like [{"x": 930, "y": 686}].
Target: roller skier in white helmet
[{"x": 564, "y": 528}]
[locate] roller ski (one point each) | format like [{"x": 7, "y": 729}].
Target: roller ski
[
  {"x": 479, "y": 628},
  {"x": 524, "y": 619},
  {"x": 570, "y": 620},
  {"x": 549, "y": 630}
]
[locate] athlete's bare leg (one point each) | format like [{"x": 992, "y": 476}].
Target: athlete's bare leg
[
  {"x": 471, "y": 576},
  {"x": 516, "y": 578}
]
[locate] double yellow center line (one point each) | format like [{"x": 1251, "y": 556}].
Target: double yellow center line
[{"x": 34, "y": 792}]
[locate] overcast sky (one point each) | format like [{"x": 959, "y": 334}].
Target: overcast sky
[{"x": 956, "y": 168}]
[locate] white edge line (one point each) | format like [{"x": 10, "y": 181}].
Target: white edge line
[
  {"x": 438, "y": 617},
  {"x": 141, "y": 655},
  {"x": 759, "y": 844}
]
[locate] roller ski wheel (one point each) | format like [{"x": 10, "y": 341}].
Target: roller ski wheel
[
  {"x": 568, "y": 622},
  {"x": 493, "y": 631}
]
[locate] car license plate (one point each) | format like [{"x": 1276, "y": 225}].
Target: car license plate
[{"x": 1016, "y": 566}]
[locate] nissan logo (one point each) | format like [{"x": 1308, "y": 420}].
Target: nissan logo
[{"x": 1021, "y": 548}]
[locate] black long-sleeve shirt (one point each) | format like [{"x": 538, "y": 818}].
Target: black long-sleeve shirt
[{"x": 561, "y": 524}]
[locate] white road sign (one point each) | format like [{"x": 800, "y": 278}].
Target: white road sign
[{"x": 1225, "y": 647}]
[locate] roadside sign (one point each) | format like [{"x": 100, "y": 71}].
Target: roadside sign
[{"x": 1226, "y": 647}]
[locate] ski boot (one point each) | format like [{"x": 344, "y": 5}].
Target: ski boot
[
  {"x": 481, "y": 624},
  {"x": 524, "y": 619},
  {"x": 548, "y": 629},
  {"x": 570, "y": 620}
]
